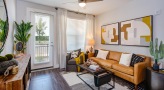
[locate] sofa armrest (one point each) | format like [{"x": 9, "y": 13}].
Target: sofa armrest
[{"x": 139, "y": 72}]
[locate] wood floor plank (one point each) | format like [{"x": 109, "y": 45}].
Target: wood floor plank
[{"x": 48, "y": 80}]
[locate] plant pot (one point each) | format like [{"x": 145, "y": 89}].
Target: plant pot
[{"x": 156, "y": 66}]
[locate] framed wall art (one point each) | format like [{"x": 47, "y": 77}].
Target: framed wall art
[
  {"x": 110, "y": 34},
  {"x": 137, "y": 32}
]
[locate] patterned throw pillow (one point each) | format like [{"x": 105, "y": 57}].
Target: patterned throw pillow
[
  {"x": 136, "y": 59},
  {"x": 96, "y": 52},
  {"x": 79, "y": 51},
  {"x": 74, "y": 54}
]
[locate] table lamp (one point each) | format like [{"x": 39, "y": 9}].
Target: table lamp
[{"x": 91, "y": 43}]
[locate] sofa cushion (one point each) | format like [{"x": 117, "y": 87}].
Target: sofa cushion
[
  {"x": 97, "y": 60},
  {"x": 115, "y": 55},
  {"x": 72, "y": 62},
  {"x": 104, "y": 63},
  {"x": 123, "y": 69},
  {"x": 108, "y": 63}
]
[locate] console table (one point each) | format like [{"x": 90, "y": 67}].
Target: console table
[
  {"x": 18, "y": 81},
  {"x": 154, "y": 79}
]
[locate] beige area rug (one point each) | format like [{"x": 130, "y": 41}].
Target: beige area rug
[{"x": 77, "y": 84}]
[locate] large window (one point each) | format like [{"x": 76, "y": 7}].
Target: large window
[{"x": 76, "y": 30}]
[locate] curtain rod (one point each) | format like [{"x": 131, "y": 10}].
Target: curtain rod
[{"x": 74, "y": 12}]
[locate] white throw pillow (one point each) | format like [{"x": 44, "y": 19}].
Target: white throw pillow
[
  {"x": 102, "y": 54},
  {"x": 125, "y": 59}
]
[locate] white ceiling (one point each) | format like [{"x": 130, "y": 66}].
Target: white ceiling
[{"x": 94, "y": 8}]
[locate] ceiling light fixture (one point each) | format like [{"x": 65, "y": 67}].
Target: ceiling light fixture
[{"x": 82, "y": 4}]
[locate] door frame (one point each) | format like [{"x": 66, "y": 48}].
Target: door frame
[{"x": 53, "y": 14}]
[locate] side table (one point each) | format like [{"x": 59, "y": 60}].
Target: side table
[
  {"x": 88, "y": 55},
  {"x": 154, "y": 79}
]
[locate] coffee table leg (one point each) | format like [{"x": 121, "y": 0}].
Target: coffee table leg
[
  {"x": 112, "y": 86},
  {"x": 83, "y": 80},
  {"x": 113, "y": 81}
]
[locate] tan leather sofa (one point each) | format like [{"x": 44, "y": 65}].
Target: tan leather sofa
[{"x": 134, "y": 74}]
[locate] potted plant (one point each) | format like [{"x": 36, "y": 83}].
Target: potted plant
[
  {"x": 157, "y": 52},
  {"x": 22, "y": 32}
]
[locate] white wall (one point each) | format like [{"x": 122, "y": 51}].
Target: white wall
[
  {"x": 2, "y": 13},
  {"x": 133, "y": 9},
  {"x": 22, "y": 9},
  {"x": 11, "y": 7}
]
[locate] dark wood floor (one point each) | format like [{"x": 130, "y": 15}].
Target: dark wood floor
[{"x": 48, "y": 80}]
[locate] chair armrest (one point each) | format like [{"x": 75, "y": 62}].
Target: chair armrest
[
  {"x": 68, "y": 57},
  {"x": 90, "y": 55},
  {"x": 139, "y": 72}
]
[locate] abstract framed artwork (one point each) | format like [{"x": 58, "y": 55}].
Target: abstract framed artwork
[
  {"x": 137, "y": 32},
  {"x": 110, "y": 34}
]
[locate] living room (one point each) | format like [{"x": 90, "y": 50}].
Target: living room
[{"x": 81, "y": 45}]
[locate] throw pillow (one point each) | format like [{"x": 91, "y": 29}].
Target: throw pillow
[
  {"x": 136, "y": 59},
  {"x": 74, "y": 54},
  {"x": 125, "y": 59},
  {"x": 96, "y": 52},
  {"x": 102, "y": 54},
  {"x": 79, "y": 51}
]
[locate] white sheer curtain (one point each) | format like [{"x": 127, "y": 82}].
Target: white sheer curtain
[
  {"x": 75, "y": 34},
  {"x": 76, "y": 27},
  {"x": 89, "y": 30},
  {"x": 61, "y": 34}
]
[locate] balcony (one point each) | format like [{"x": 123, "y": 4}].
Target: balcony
[{"x": 41, "y": 53}]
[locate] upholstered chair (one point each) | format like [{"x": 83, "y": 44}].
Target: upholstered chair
[{"x": 71, "y": 64}]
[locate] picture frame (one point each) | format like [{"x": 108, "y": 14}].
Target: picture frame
[
  {"x": 137, "y": 32},
  {"x": 110, "y": 34}
]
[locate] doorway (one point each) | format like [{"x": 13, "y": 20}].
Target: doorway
[{"x": 42, "y": 40}]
